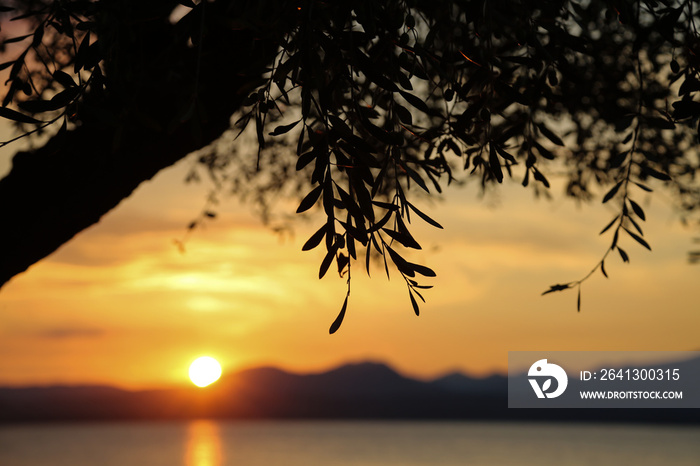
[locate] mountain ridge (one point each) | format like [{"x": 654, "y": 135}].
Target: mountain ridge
[{"x": 360, "y": 390}]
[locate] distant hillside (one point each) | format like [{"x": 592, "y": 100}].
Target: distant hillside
[{"x": 353, "y": 391}]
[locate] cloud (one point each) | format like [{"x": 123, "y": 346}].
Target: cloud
[{"x": 61, "y": 333}]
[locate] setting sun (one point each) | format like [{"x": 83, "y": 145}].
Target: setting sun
[{"x": 205, "y": 371}]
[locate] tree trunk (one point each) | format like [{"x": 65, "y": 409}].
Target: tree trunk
[{"x": 145, "y": 121}]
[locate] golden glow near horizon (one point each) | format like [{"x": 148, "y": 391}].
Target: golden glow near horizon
[
  {"x": 204, "y": 371},
  {"x": 121, "y": 295}
]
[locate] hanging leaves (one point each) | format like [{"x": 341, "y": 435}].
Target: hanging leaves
[{"x": 369, "y": 137}]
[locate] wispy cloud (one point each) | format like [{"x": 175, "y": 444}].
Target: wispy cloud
[{"x": 60, "y": 333}]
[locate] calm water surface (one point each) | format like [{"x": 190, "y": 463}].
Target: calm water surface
[{"x": 213, "y": 443}]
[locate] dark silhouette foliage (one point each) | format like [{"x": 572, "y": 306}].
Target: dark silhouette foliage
[{"x": 376, "y": 99}]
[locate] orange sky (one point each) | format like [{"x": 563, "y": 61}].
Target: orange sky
[{"x": 120, "y": 305}]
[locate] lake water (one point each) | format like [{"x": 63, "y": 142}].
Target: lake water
[{"x": 330, "y": 443}]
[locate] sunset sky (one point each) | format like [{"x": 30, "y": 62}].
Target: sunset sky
[{"x": 120, "y": 305}]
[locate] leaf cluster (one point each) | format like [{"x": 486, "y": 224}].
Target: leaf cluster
[{"x": 380, "y": 100}]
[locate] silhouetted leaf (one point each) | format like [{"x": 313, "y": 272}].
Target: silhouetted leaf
[
  {"x": 403, "y": 238},
  {"x": 624, "y": 123},
  {"x": 453, "y": 146},
  {"x": 638, "y": 239},
  {"x": 327, "y": 261},
  {"x": 424, "y": 216},
  {"x": 368, "y": 251},
  {"x": 635, "y": 225},
  {"x": 610, "y": 194},
  {"x": 342, "y": 262},
  {"x": 578, "y": 300},
  {"x": 643, "y": 187},
  {"x": 310, "y": 199},
  {"x": 14, "y": 72},
  {"x": 675, "y": 67},
  {"x": 28, "y": 14},
  {"x": 17, "y": 39},
  {"x": 414, "y": 303},
  {"x": 526, "y": 178},
  {"x": 415, "y": 101},
  {"x": 305, "y": 159},
  {"x": 328, "y": 197},
  {"x": 618, "y": 159},
  {"x": 81, "y": 55},
  {"x": 616, "y": 236},
  {"x": 540, "y": 177},
  {"x": 339, "y": 320},
  {"x": 415, "y": 177},
  {"x": 623, "y": 254},
  {"x": 423, "y": 270},
  {"x": 609, "y": 225},
  {"x": 401, "y": 264},
  {"x": 65, "y": 97},
  {"x": 284, "y": 128},
  {"x": 656, "y": 174},
  {"x": 64, "y": 79},
  {"x": 341, "y": 127},
  {"x": 93, "y": 55},
  {"x": 383, "y": 221},
  {"x": 690, "y": 85},
  {"x": 504, "y": 154},
  {"x": 315, "y": 239},
  {"x": 351, "y": 237},
  {"x": 259, "y": 132},
  {"x": 549, "y": 134},
  {"x": 602, "y": 269},
  {"x": 422, "y": 287},
  {"x": 38, "y": 36},
  {"x": 495, "y": 163},
  {"x": 403, "y": 114},
  {"x": 544, "y": 152},
  {"x": 350, "y": 205},
  {"x": 38, "y": 106},
  {"x": 637, "y": 209},
  {"x": 554, "y": 288},
  {"x": 16, "y": 116},
  {"x": 660, "y": 123},
  {"x": 404, "y": 81},
  {"x": 385, "y": 205},
  {"x": 685, "y": 109}
]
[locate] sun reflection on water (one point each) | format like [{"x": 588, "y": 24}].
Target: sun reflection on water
[{"x": 203, "y": 444}]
